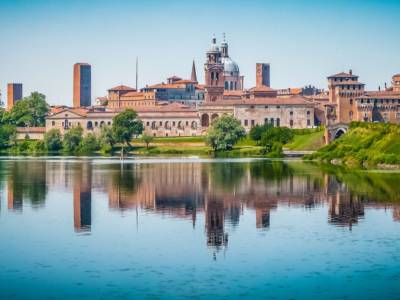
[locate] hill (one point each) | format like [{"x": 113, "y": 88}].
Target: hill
[{"x": 364, "y": 145}]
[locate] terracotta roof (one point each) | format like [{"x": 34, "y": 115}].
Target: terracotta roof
[
  {"x": 122, "y": 88},
  {"x": 342, "y": 74},
  {"x": 294, "y": 100},
  {"x": 166, "y": 86},
  {"x": 185, "y": 81},
  {"x": 31, "y": 129},
  {"x": 261, "y": 88}
]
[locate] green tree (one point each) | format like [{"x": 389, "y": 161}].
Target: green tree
[
  {"x": 8, "y": 136},
  {"x": 257, "y": 131},
  {"x": 126, "y": 125},
  {"x": 28, "y": 112},
  {"x": 89, "y": 144},
  {"x": 106, "y": 139},
  {"x": 72, "y": 139},
  {"x": 147, "y": 139},
  {"x": 273, "y": 138},
  {"x": 53, "y": 140},
  {"x": 225, "y": 133}
]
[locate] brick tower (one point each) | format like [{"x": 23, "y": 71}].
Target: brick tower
[{"x": 214, "y": 69}]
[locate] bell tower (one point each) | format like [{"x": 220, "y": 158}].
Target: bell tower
[{"x": 214, "y": 77}]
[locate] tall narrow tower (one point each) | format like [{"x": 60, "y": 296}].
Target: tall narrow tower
[
  {"x": 14, "y": 93},
  {"x": 82, "y": 85},
  {"x": 193, "y": 76},
  {"x": 214, "y": 77},
  {"x": 263, "y": 74}
]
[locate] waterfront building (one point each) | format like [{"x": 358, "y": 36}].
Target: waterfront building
[
  {"x": 82, "y": 90},
  {"x": 349, "y": 101},
  {"x": 14, "y": 93}
]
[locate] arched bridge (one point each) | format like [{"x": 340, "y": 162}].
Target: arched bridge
[{"x": 334, "y": 131}]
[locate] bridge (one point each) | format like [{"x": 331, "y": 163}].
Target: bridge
[{"x": 334, "y": 131}]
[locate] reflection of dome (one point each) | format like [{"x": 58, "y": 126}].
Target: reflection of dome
[{"x": 230, "y": 67}]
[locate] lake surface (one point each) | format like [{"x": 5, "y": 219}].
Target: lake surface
[{"x": 197, "y": 229}]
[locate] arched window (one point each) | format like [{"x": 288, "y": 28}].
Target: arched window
[
  {"x": 231, "y": 86},
  {"x": 153, "y": 125},
  {"x": 89, "y": 125},
  {"x": 226, "y": 85},
  {"x": 235, "y": 85},
  {"x": 102, "y": 123},
  {"x": 205, "y": 120},
  {"x": 180, "y": 125},
  {"x": 167, "y": 125},
  {"x": 194, "y": 125},
  {"x": 213, "y": 117},
  {"x": 53, "y": 123}
]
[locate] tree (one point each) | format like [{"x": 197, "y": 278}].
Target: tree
[
  {"x": 224, "y": 133},
  {"x": 257, "y": 131},
  {"x": 28, "y": 112},
  {"x": 147, "y": 139},
  {"x": 8, "y": 135},
  {"x": 72, "y": 139},
  {"x": 126, "y": 125},
  {"x": 106, "y": 139},
  {"x": 274, "y": 138},
  {"x": 53, "y": 140},
  {"x": 89, "y": 144}
]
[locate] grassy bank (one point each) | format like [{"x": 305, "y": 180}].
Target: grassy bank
[
  {"x": 368, "y": 145},
  {"x": 307, "y": 142}
]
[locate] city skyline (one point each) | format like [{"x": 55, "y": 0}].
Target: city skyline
[{"x": 312, "y": 41}]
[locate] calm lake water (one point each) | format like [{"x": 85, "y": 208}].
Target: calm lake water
[{"x": 196, "y": 229}]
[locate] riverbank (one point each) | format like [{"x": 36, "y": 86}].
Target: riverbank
[{"x": 365, "y": 145}]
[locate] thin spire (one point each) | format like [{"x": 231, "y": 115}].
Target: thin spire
[
  {"x": 193, "y": 77},
  {"x": 137, "y": 64}
]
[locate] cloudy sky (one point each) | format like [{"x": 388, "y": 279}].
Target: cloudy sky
[{"x": 304, "y": 41}]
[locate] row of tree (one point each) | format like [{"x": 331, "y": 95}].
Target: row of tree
[{"x": 226, "y": 131}]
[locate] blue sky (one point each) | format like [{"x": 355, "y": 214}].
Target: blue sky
[{"x": 304, "y": 41}]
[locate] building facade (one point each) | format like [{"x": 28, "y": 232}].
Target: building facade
[{"x": 82, "y": 93}]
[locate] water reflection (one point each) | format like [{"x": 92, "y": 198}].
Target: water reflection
[{"x": 219, "y": 192}]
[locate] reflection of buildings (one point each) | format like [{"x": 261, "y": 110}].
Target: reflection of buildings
[
  {"x": 220, "y": 192},
  {"x": 82, "y": 191},
  {"x": 214, "y": 215},
  {"x": 345, "y": 209},
  {"x": 26, "y": 182}
]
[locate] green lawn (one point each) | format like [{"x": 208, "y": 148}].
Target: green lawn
[{"x": 312, "y": 141}]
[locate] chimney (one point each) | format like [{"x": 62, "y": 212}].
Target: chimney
[
  {"x": 351, "y": 72},
  {"x": 385, "y": 86}
]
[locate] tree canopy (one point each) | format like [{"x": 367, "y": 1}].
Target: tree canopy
[
  {"x": 72, "y": 139},
  {"x": 28, "y": 112},
  {"x": 224, "y": 133},
  {"x": 126, "y": 125}
]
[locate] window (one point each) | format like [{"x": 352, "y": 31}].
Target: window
[
  {"x": 291, "y": 123},
  {"x": 53, "y": 123},
  {"x": 246, "y": 122},
  {"x": 160, "y": 123},
  {"x": 278, "y": 106},
  {"x": 266, "y": 121},
  {"x": 278, "y": 122},
  {"x": 252, "y": 123},
  {"x": 266, "y": 106},
  {"x": 272, "y": 121},
  {"x": 96, "y": 124},
  {"x": 351, "y": 101},
  {"x": 147, "y": 123},
  {"x": 308, "y": 122},
  {"x": 291, "y": 113},
  {"x": 308, "y": 113},
  {"x": 252, "y": 106}
]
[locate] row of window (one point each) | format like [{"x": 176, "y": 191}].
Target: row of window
[
  {"x": 380, "y": 101},
  {"x": 169, "y": 124},
  {"x": 274, "y": 122}
]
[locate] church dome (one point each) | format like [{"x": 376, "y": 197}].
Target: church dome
[{"x": 230, "y": 67}]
